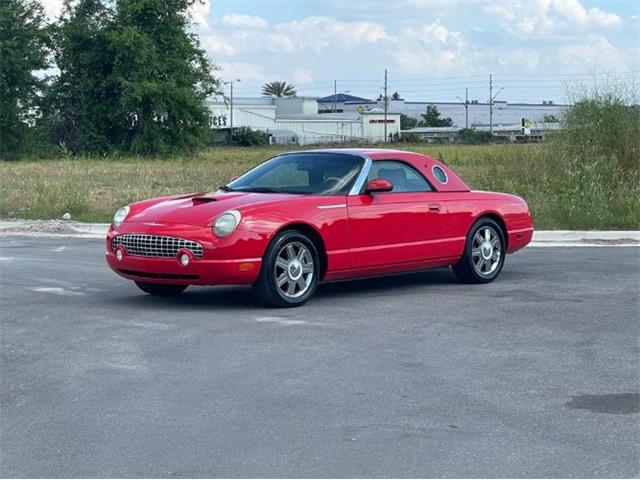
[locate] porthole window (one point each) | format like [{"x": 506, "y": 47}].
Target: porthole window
[{"x": 440, "y": 174}]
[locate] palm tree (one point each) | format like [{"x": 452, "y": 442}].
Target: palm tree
[{"x": 278, "y": 89}]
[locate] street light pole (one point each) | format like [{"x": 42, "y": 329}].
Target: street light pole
[{"x": 230, "y": 83}]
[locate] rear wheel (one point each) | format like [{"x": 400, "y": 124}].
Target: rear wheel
[
  {"x": 484, "y": 253},
  {"x": 161, "y": 289},
  {"x": 290, "y": 270}
]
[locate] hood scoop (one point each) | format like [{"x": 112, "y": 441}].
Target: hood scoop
[{"x": 202, "y": 200}]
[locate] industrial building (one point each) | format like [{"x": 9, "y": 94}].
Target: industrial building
[
  {"x": 473, "y": 114},
  {"x": 345, "y": 118},
  {"x": 295, "y": 120}
]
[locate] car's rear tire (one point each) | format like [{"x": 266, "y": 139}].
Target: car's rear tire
[
  {"x": 484, "y": 253},
  {"x": 160, "y": 289},
  {"x": 290, "y": 270}
]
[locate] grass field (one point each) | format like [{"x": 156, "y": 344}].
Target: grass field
[{"x": 562, "y": 192}]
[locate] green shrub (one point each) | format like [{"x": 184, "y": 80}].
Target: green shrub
[
  {"x": 245, "y": 137},
  {"x": 474, "y": 137},
  {"x": 603, "y": 125}
]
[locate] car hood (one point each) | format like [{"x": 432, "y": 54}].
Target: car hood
[{"x": 199, "y": 209}]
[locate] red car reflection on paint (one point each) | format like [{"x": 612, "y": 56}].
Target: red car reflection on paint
[{"x": 319, "y": 215}]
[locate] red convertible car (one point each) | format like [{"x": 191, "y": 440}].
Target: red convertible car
[{"x": 319, "y": 215}]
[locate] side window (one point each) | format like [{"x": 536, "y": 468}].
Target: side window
[{"x": 403, "y": 177}]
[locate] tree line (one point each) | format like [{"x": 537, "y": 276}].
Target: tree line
[{"x": 126, "y": 76}]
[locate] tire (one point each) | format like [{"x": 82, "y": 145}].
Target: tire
[
  {"x": 483, "y": 256},
  {"x": 290, "y": 270},
  {"x": 161, "y": 289}
]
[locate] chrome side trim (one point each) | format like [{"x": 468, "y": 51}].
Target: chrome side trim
[
  {"x": 339, "y": 205},
  {"x": 362, "y": 177}
]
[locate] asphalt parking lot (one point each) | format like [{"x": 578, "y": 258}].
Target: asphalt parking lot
[{"x": 535, "y": 375}]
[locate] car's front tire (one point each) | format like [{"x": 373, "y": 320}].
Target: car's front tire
[
  {"x": 290, "y": 270},
  {"x": 160, "y": 289},
  {"x": 484, "y": 253}
]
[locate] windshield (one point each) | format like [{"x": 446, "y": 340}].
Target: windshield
[{"x": 303, "y": 173}]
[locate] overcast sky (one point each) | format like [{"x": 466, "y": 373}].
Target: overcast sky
[{"x": 432, "y": 49}]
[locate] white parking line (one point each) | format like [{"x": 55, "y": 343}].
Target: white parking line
[
  {"x": 57, "y": 291},
  {"x": 280, "y": 321}
]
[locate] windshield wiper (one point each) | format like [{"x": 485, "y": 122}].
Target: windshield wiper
[
  {"x": 261, "y": 190},
  {"x": 226, "y": 188}
]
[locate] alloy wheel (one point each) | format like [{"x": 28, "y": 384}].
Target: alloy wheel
[
  {"x": 486, "y": 251},
  {"x": 294, "y": 270}
]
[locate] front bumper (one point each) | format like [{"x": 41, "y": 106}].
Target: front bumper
[{"x": 229, "y": 261}]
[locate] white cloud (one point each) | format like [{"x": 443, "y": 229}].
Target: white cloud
[
  {"x": 301, "y": 75},
  {"x": 434, "y": 47},
  {"x": 317, "y": 33},
  {"x": 244, "y": 21},
  {"x": 594, "y": 53},
  {"x": 559, "y": 36},
  {"x": 544, "y": 17},
  {"x": 217, "y": 45},
  {"x": 248, "y": 72},
  {"x": 52, "y": 8},
  {"x": 200, "y": 12}
]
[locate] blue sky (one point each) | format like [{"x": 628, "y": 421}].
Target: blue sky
[{"x": 432, "y": 49}]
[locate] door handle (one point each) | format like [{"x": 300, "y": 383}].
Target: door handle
[{"x": 434, "y": 207}]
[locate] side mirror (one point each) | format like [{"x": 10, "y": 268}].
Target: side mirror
[{"x": 379, "y": 185}]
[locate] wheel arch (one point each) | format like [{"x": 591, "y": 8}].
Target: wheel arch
[
  {"x": 496, "y": 217},
  {"x": 314, "y": 235}
]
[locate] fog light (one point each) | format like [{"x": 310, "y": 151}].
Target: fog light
[
  {"x": 119, "y": 255},
  {"x": 184, "y": 259}
]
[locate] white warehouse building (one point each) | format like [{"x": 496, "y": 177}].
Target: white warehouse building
[
  {"x": 504, "y": 113},
  {"x": 295, "y": 120}
]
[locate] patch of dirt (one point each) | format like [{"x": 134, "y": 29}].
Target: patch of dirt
[{"x": 40, "y": 226}]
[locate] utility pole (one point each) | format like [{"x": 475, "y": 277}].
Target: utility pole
[
  {"x": 492, "y": 97},
  {"x": 466, "y": 107},
  {"x": 491, "y": 104},
  {"x": 230, "y": 83},
  {"x": 335, "y": 96},
  {"x": 386, "y": 105}
]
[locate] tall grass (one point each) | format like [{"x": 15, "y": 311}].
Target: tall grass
[{"x": 562, "y": 192}]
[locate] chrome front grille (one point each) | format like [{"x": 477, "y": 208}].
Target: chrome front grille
[{"x": 155, "y": 245}]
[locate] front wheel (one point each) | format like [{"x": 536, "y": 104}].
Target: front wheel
[
  {"x": 161, "y": 289},
  {"x": 484, "y": 253},
  {"x": 290, "y": 270}
]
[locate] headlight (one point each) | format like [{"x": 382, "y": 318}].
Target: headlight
[
  {"x": 226, "y": 223},
  {"x": 119, "y": 216}
]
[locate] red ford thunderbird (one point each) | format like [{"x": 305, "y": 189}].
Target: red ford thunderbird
[{"x": 319, "y": 215}]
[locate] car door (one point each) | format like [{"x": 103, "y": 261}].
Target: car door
[{"x": 406, "y": 225}]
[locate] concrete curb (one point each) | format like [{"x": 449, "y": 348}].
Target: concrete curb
[{"x": 541, "y": 238}]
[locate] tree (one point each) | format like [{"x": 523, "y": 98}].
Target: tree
[
  {"x": 23, "y": 51},
  {"x": 395, "y": 96},
  {"x": 407, "y": 122},
  {"x": 132, "y": 78},
  {"x": 278, "y": 89},
  {"x": 162, "y": 77},
  {"x": 82, "y": 103},
  {"x": 431, "y": 118}
]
